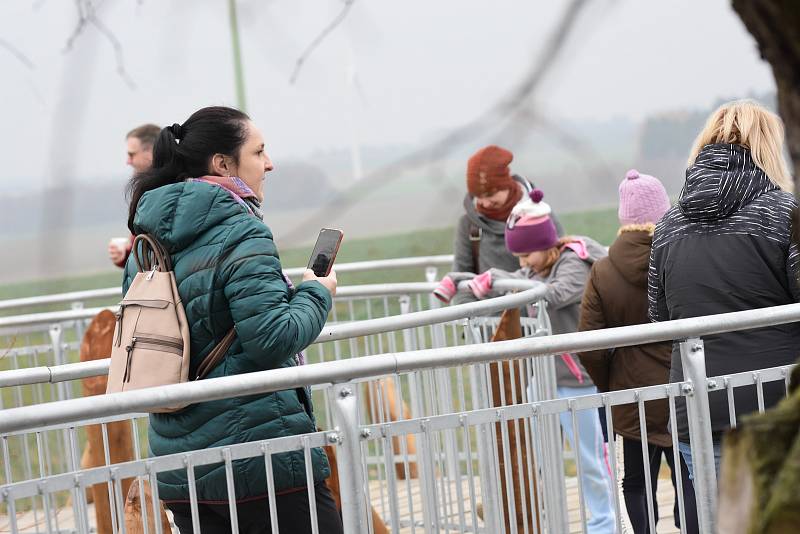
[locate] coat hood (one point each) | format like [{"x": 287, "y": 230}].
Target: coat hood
[
  {"x": 177, "y": 214},
  {"x": 486, "y": 224},
  {"x": 586, "y": 249},
  {"x": 723, "y": 179},
  {"x": 630, "y": 253}
]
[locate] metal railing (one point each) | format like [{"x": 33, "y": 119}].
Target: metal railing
[
  {"x": 440, "y": 484},
  {"x": 80, "y": 297}
]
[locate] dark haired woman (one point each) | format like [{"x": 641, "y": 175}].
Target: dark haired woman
[{"x": 201, "y": 199}]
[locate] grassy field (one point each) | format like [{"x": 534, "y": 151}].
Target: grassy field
[{"x": 600, "y": 225}]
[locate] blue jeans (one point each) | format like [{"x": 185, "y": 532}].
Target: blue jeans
[
  {"x": 686, "y": 452},
  {"x": 596, "y": 482}
]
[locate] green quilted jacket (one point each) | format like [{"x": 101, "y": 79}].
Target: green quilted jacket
[{"x": 229, "y": 274}]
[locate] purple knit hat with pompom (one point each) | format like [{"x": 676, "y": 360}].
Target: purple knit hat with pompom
[{"x": 529, "y": 227}]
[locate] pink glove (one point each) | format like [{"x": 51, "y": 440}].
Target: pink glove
[
  {"x": 446, "y": 290},
  {"x": 481, "y": 285}
]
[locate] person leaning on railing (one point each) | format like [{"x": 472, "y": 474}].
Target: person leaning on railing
[
  {"x": 563, "y": 265},
  {"x": 202, "y": 200},
  {"x": 725, "y": 247},
  {"x": 616, "y": 295},
  {"x": 492, "y": 191}
]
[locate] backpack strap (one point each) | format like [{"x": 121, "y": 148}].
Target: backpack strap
[
  {"x": 149, "y": 254},
  {"x": 215, "y": 356},
  {"x": 475, "y": 235}
]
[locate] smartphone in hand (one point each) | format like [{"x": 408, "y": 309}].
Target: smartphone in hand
[{"x": 325, "y": 251}]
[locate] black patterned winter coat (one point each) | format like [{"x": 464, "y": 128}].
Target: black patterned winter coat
[{"x": 725, "y": 247}]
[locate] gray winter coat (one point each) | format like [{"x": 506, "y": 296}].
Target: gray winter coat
[
  {"x": 565, "y": 284},
  {"x": 492, "y": 252}
]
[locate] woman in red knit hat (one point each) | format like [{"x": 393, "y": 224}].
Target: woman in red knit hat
[{"x": 492, "y": 192}]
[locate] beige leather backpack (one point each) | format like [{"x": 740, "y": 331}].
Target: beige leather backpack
[{"x": 151, "y": 338}]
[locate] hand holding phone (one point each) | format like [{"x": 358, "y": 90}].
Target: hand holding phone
[
  {"x": 329, "y": 282},
  {"x": 325, "y": 251}
]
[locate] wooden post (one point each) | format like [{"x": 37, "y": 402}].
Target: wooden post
[
  {"x": 96, "y": 344},
  {"x": 509, "y": 328},
  {"x": 385, "y": 390}
]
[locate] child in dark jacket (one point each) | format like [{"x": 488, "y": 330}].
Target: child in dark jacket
[{"x": 616, "y": 295}]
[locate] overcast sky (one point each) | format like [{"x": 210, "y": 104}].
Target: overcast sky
[{"x": 393, "y": 73}]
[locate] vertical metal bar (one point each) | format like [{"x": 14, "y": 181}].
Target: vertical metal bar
[
  {"x": 156, "y": 502},
  {"x": 74, "y": 465},
  {"x": 351, "y": 475},
  {"x": 646, "y": 462},
  {"x": 42, "y": 473},
  {"x": 312, "y": 494},
  {"x": 12, "y": 509},
  {"x": 699, "y": 417},
  {"x": 107, "y": 457},
  {"x": 273, "y": 507},
  {"x": 577, "y": 450},
  {"x": 612, "y": 456},
  {"x": 383, "y": 415},
  {"x": 509, "y": 505},
  {"x": 138, "y": 456},
  {"x": 759, "y": 390},
  {"x": 731, "y": 402},
  {"x": 512, "y": 365},
  {"x": 676, "y": 458},
  {"x": 473, "y": 501},
  {"x": 406, "y": 464},
  {"x": 786, "y": 381},
  {"x": 226, "y": 456},
  {"x": 192, "y": 493},
  {"x": 118, "y": 503},
  {"x": 56, "y": 336},
  {"x": 430, "y": 510},
  {"x": 388, "y": 462}
]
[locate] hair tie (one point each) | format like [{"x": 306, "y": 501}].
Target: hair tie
[{"x": 177, "y": 131}]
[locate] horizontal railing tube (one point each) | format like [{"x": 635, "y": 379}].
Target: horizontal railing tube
[
  {"x": 29, "y": 417},
  {"x": 115, "y": 292},
  {"x": 54, "y": 374},
  {"x": 531, "y": 291}
]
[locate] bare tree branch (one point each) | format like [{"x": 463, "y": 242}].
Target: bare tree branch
[
  {"x": 87, "y": 15},
  {"x": 504, "y": 111},
  {"x": 17, "y": 53},
  {"x": 117, "y": 46},
  {"x": 318, "y": 40},
  {"x": 10, "y": 347}
]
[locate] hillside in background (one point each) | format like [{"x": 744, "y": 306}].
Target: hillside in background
[{"x": 64, "y": 231}]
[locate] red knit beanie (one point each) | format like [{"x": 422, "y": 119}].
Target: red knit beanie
[{"x": 488, "y": 172}]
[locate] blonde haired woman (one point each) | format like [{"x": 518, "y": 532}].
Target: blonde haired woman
[{"x": 726, "y": 246}]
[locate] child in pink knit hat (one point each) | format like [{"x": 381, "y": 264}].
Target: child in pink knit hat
[{"x": 642, "y": 199}]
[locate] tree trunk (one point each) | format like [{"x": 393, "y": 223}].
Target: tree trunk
[{"x": 775, "y": 25}]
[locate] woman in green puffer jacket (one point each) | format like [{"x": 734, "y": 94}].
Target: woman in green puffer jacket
[{"x": 201, "y": 199}]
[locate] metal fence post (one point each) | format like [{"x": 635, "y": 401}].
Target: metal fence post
[
  {"x": 80, "y": 326},
  {"x": 352, "y": 478},
  {"x": 699, "y": 418},
  {"x": 488, "y": 466}
]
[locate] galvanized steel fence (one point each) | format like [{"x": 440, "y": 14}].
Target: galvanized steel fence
[{"x": 454, "y": 423}]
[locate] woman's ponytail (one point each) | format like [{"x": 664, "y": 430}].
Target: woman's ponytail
[{"x": 184, "y": 151}]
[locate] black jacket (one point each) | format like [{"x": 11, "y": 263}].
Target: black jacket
[{"x": 725, "y": 247}]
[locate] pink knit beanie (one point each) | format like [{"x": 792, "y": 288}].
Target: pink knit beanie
[
  {"x": 642, "y": 199},
  {"x": 529, "y": 227}
]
